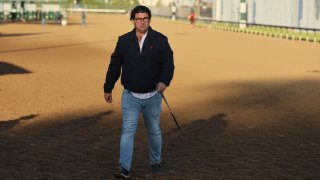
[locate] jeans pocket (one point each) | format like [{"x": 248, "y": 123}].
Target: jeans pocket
[
  {"x": 158, "y": 95},
  {"x": 125, "y": 91}
]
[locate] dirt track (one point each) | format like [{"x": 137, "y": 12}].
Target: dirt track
[{"x": 248, "y": 105}]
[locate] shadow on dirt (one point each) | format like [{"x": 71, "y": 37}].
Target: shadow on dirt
[
  {"x": 255, "y": 130},
  {"x": 19, "y": 34},
  {"x": 8, "y": 68},
  {"x": 8, "y": 124}
]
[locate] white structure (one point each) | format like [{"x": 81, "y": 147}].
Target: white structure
[
  {"x": 149, "y": 2},
  {"x": 50, "y": 8},
  {"x": 186, "y": 3},
  {"x": 30, "y": 7}
]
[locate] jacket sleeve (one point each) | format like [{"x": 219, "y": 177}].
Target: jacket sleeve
[
  {"x": 114, "y": 69},
  {"x": 167, "y": 64}
]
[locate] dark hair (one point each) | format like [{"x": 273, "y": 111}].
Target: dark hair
[{"x": 140, "y": 9}]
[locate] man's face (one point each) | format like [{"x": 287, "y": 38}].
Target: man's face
[{"x": 141, "y": 22}]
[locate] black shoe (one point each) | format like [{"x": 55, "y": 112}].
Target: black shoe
[
  {"x": 155, "y": 169},
  {"x": 123, "y": 174}
]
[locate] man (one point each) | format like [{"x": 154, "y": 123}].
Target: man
[
  {"x": 173, "y": 11},
  {"x": 83, "y": 18},
  {"x": 146, "y": 60}
]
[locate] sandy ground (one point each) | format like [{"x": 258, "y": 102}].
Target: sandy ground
[{"x": 248, "y": 105}]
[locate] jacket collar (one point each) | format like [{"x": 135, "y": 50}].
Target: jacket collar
[{"x": 150, "y": 34}]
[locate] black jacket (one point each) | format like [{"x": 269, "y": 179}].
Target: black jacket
[{"x": 140, "y": 72}]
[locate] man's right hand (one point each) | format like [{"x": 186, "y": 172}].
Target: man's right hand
[{"x": 108, "y": 97}]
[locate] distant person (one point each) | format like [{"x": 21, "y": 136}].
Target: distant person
[
  {"x": 192, "y": 17},
  {"x": 83, "y": 18},
  {"x": 173, "y": 11},
  {"x": 43, "y": 18},
  {"x": 144, "y": 59},
  {"x": 14, "y": 11}
]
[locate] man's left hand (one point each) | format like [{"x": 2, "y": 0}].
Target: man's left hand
[{"x": 161, "y": 87}]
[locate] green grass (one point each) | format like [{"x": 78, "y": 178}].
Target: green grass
[{"x": 276, "y": 32}]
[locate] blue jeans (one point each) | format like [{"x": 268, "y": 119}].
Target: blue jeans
[{"x": 131, "y": 109}]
